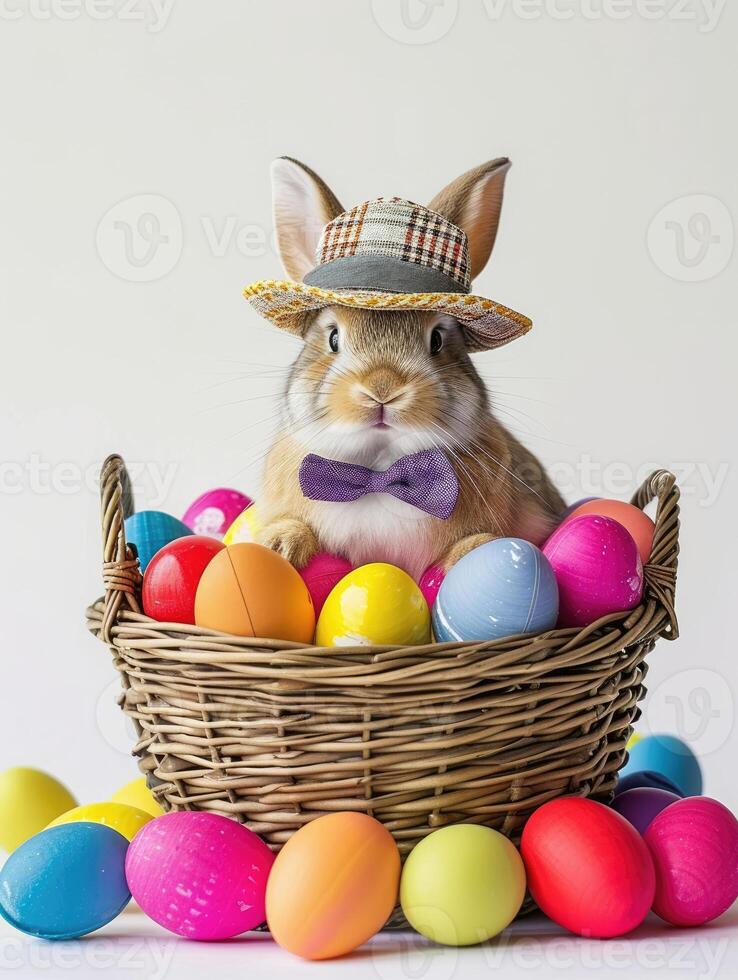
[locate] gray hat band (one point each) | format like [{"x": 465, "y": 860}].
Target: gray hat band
[{"x": 380, "y": 273}]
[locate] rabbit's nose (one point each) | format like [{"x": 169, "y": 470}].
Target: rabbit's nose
[{"x": 382, "y": 385}]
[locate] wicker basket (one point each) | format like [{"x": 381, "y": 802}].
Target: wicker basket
[{"x": 274, "y": 734}]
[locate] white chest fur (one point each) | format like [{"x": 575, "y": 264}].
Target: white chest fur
[{"x": 377, "y": 527}]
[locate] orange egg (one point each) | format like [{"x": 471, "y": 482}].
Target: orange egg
[
  {"x": 640, "y": 525},
  {"x": 333, "y": 885},
  {"x": 249, "y": 590}
]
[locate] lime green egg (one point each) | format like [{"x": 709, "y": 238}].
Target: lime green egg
[{"x": 462, "y": 885}]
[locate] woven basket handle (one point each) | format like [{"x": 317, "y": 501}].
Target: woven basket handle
[
  {"x": 661, "y": 569},
  {"x": 121, "y": 574}
]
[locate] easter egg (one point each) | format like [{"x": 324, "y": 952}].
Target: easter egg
[
  {"x": 333, "y": 885},
  {"x": 127, "y": 820},
  {"x": 639, "y": 525},
  {"x": 150, "y": 530},
  {"x": 633, "y": 740},
  {"x": 29, "y": 801},
  {"x": 694, "y": 846},
  {"x": 245, "y": 527},
  {"x": 669, "y": 756},
  {"x": 376, "y": 604},
  {"x": 588, "y": 869},
  {"x": 430, "y": 583},
  {"x": 639, "y": 806},
  {"x": 321, "y": 573},
  {"x": 66, "y": 881},
  {"x": 646, "y": 778},
  {"x": 200, "y": 875},
  {"x": 462, "y": 885},
  {"x": 172, "y": 576},
  {"x": 215, "y": 510},
  {"x": 250, "y": 590},
  {"x": 598, "y": 569},
  {"x": 502, "y": 588},
  {"x": 138, "y": 795}
]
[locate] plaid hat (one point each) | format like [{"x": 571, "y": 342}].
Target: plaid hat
[{"x": 390, "y": 254}]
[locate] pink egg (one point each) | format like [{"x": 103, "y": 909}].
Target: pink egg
[
  {"x": 215, "y": 510},
  {"x": 597, "y": 567},
  {"x": 430, "y": 583},
  {"x": 694, "y": 846},
  {"x": 200, "y": 875},
  {"x": 321, "y": 573}
]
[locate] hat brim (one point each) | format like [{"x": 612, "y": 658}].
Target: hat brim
[{"x": 486, "y": 324}]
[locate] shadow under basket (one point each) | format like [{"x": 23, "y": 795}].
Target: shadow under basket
[{"x": 274, "y": 734}]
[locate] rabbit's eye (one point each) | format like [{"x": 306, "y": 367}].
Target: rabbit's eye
[
  {"x": 436, "y": 340},
  {"x": 333, "y": 340}
]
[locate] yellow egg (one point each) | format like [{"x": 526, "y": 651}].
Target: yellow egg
[
  {"x": 245, "y": 527},
  {"x": 137, "y": 794},
  {"x": 634, "y": 739},
  {"x": 29, "y": 799},
  {"x": 376, "y": 605},
  {"x": 127, "y": 820}
]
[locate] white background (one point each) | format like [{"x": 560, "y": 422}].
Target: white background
[{"x": 609, "y": 116}]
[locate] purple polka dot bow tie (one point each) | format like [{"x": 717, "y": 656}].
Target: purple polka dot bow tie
[{"x": 426, "y": 480}]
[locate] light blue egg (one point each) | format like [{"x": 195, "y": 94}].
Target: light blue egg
[
  {"x": 150, "y": 530},
  {"x": 504, "y": 587},
  {"x": 669, "y": 756},
  {"x": 66, "y": 881}
]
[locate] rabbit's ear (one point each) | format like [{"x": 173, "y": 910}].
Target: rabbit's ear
[
  {"x": 303, "y": 204},
  {"x": 473, "y": 202}
]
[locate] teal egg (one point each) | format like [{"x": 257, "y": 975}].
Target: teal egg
[
  {"x": 670, "y": 757},
  {"x": 150, "y": 530},
  {"x": 66, "y": 881},
  {"x": 504, "y": 587}
]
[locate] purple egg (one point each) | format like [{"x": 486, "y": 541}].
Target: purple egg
[
  {"x": 215, "y": 510},
  {"x": 640, "y": 806},
  {"x": 577, "y": 503},
  {"x": 598, "y": 569}
]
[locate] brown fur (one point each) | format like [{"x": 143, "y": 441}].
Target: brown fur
[{"x": 386, "y": 367}]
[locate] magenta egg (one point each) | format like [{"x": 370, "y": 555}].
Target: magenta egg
[
  {"x": 215, "y": 510},
  {"x": 430, "y": 583},
  {"x": 597, "y": 567},
  {"x": 694, "y": 846},
  {"x": 321, "y": 573},
  {"x": 200, "y": 875}
]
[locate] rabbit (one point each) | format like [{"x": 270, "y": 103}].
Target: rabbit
[{"x": 371, "y": 386}]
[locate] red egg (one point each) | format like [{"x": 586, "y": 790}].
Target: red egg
[
  {"x": 172, "y": 576},
  {"x": 588, "y": 869},
  {"x": 321, "y": 573},
  {"x": 694, "y": 846}
]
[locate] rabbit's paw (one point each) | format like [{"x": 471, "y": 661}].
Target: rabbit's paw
[
  {"x": 292, "y": 539},
  {"x": 463, "y": 547}
]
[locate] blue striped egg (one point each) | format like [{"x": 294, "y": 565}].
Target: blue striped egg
[
  {"x": 66, "y": 881},
  {"x": 504, "y": 587},
  {"x": 150, "y": 530}
]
